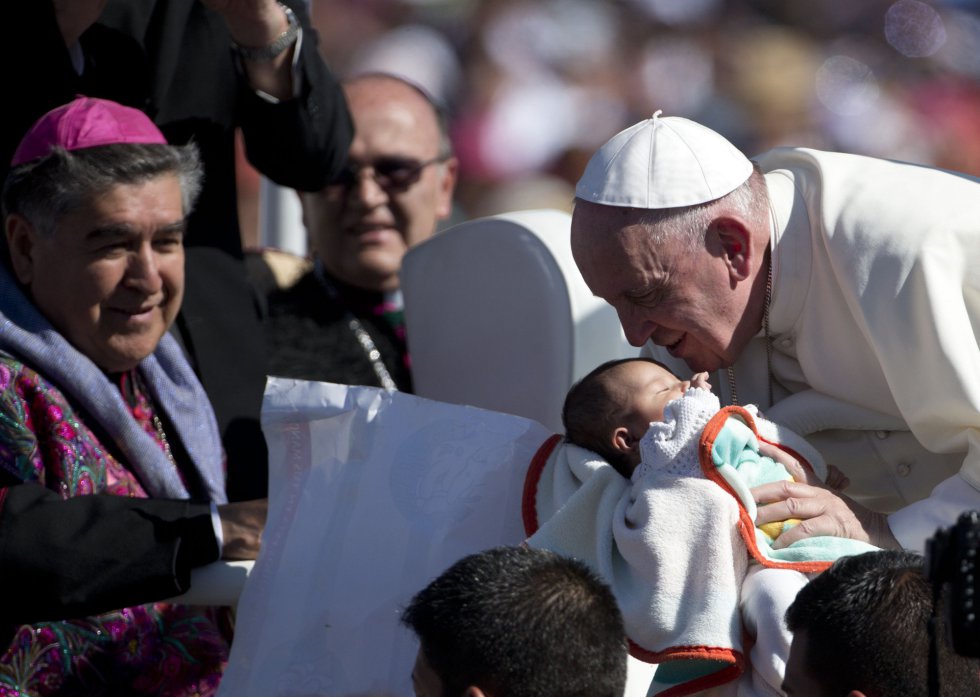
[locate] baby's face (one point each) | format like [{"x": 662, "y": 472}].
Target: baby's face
[
  {"x": 643, "y": 389},
  {"x": 650, "y": 388}
]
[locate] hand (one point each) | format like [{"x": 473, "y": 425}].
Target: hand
[
  {"x": 796, "y": 470},
  {"x": 822, "y": 512},
  {"x": 700, "y": 380},
  {"x": 251, "y": 22},
  {"x": 241, "y": 525},
  {"x": 75, "y": 16},
  {"x": 836, "y": 479},
  {"x": 257, "y": 23}
]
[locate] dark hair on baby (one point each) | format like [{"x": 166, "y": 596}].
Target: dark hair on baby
[{"x": 594, "y": 408}]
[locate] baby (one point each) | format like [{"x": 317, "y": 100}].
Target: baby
[
  {"x": 610, "y": 410},
  {"x": 648, "y": 424}
]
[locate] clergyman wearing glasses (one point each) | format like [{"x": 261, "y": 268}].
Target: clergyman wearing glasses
[{"x": 341, "y": 321}]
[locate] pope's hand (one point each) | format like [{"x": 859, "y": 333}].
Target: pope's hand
[{"x": 821, "y": 511}]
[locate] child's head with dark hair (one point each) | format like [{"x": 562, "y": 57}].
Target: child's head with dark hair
[
  {"x": 862, "y": 627},
  {"x": 520, "y": 622},
  {"x": 610, "y": 409}
]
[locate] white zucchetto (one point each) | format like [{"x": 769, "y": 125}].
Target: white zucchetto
[{"x": 663, "y": 162}]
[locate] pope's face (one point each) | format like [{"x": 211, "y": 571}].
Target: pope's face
[
  {"x": 111, "y": 277},
  {"x": 680, "y": 299}
]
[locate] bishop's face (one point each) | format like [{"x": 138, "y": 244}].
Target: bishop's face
[{"x": 110, "y": 278}]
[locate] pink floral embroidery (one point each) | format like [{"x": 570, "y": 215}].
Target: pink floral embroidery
[{"x": 156, "y": 649}]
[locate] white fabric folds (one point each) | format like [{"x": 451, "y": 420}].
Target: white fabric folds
[{"x": 372, "y": 495}]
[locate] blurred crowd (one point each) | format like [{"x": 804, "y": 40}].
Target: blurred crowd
[{"x": 532, "y": 87}]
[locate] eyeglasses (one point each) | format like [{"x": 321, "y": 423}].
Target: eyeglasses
[{"x": 390, "y": 173}]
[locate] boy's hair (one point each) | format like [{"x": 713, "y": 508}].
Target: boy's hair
[
  {"x": 593, "y": 409},
  {"x": 521, "y": 622},
  {"x": 867, "y": 619}
]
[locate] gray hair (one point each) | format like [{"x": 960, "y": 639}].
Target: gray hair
[
  {"x": 690, "y": 223},
  {"x": 45, "y": 190}
]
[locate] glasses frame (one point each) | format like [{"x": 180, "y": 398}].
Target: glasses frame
[{"x": 351, "y": 174}]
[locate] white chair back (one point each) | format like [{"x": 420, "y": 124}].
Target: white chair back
[{"x": 499, "y": 317}]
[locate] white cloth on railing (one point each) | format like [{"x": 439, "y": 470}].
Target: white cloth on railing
[{"x": 372, "y": 494}]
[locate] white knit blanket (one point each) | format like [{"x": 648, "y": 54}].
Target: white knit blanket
[{"x": 671, "y": 543}]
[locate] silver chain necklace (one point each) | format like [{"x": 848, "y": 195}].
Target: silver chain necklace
[
  {"x": 358, "y": 330},
  {"x": 162, "y": 435},
  {"x": 765, "y": 328}
]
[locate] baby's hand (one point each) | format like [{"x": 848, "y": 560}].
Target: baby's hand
[{"x": 701, "y": 380}]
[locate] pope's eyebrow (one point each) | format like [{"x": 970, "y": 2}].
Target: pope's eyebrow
[
  {"x": 652, "y": 291},
  {"x": 644, "y": 291}
]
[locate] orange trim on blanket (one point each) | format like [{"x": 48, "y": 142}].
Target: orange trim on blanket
[
  {"x": 676, "y": 653},
  {"x": 746, "y": 526},
  {"x": 735, "y": 659},
  {"x": 529, "y": 499}
]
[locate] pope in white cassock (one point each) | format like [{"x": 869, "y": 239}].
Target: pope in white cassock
[{"x": 839, "y": 293}]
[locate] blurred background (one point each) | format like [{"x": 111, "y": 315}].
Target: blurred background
[{"x": 533, "y": 87}]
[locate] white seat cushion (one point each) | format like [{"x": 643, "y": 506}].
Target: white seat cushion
[{"x": 499, "y": 317}]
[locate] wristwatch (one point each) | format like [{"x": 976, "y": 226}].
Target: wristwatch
[{"x": 266, "y": 54}]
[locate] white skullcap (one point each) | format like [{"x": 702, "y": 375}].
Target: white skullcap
[{"x": 663, "y": 163}]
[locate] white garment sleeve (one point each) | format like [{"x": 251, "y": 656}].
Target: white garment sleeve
[
  {"x": 918, "y": 522},
  {"x": 766, "y": 595}
]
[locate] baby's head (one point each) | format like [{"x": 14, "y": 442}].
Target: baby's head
[{"x": 610, "y": 409}]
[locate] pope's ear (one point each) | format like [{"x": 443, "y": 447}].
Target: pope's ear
[
  {"x": 734, "y": 245},
  {"x": 21, "y": 237}
]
